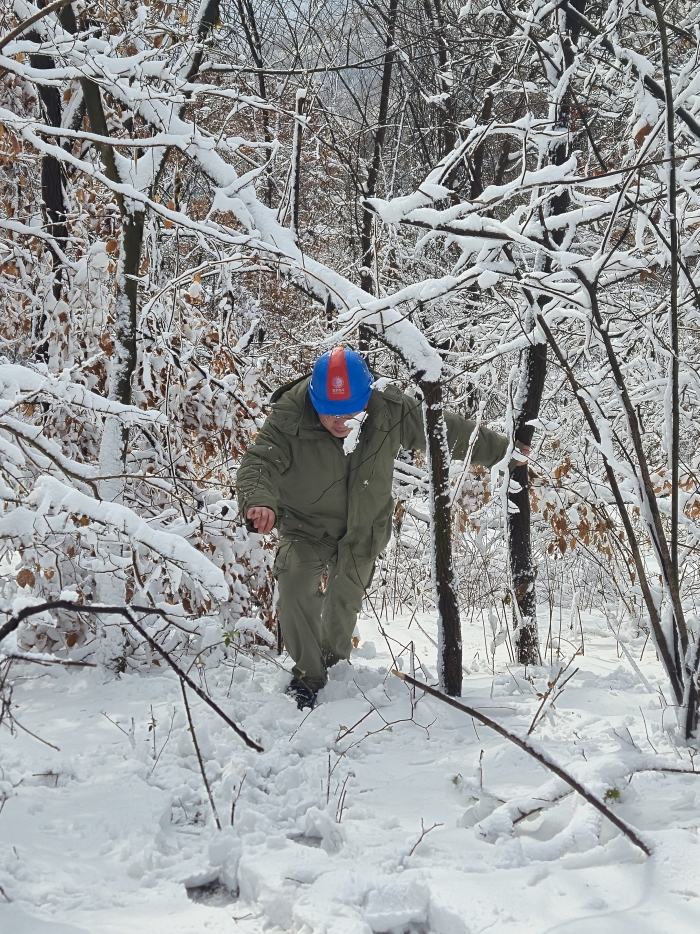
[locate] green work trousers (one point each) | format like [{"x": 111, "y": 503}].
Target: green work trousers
[{"x": 317, "y": 607}]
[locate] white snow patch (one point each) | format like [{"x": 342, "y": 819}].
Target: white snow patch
[
  {"x": 355, "y": 425},
  {"x": 98, "y": 837}
]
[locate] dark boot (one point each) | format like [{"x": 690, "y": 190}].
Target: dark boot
[{"x": 302, "y": 694}]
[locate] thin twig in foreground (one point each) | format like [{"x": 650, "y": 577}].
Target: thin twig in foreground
[
  {"x": 554, "y": 691},
  {"x": 423, "y": 834},
  {"x": 199, "y": 755},
  {"x": 167, "y": 738},
  {"x": 114, "y": 723},
  {"x": 235, "y": 800},
  {"x": 28, "y": 611},
  {"x": 42, "y": 660},
  {"x": 542, "y": 757},
  {"x": 44, "y": 741}
]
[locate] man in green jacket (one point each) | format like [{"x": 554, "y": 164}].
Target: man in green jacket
[{"x": 321, "y": 471}]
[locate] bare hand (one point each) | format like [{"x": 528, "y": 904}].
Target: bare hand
[{"x": 262, "y": 518}]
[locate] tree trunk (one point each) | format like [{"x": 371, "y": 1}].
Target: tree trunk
[
  {"x": 295, "y": 172},
  {"x": 522, "y": 567},
  {"x": 246, "y": 14},
  {"x": 527, "y": 407},
  {"x": 444, "y": 579},
  {"x": 51, "y": 191},
  {"x": 442, "y": 568},
  {"x": 448, "y": 132},
  {"x": 367, "y": 279},
  {"x": 476, "y": 184},
  {"x": 690, "y": 669},
  {"x": 115, "y": 437}
]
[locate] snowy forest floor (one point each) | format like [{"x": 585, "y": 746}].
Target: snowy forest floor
[{"x": 99, "y": 838}]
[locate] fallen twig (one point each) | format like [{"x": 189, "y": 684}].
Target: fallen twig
[
  {"x": 554, "y": 690},
  {"x": 41, "y": 740},
  {"x": 542, "y": 757},
  {"x": 423, "y": 834},
  {"x": 537, "y": 810},
  {"x": 235, "y": 800},
  {"x": 43, "y": 660},
  {"x": 114, "y": 723},
  {"x": 666, "y": 768},
  {"x": 28, "y": 611},
  {"x": 199, "y": 755}
]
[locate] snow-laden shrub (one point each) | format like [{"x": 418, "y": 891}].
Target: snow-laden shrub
[
  {"x": 197, "y": 563},
  {"x": 167, "y": 532}
]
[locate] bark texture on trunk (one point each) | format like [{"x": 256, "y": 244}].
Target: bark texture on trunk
[
  {"x": 126, "y": 318},
  {"x": 522, "y": 566},
  {"x": 476, "y": 179},
  {"x": 51, "y": 192},
  {"x": 444, "y": 580}
]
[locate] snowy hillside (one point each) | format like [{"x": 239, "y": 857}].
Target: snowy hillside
[{"x": 367, "y": 814}]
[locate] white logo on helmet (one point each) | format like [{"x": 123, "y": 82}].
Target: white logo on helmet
[{"x": 338, "y": 384}]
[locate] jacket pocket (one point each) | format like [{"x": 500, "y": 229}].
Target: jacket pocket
[{"x": 283, "y": 558}]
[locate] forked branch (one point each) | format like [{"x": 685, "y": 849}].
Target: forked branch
[{"x": 542, "y": 757}]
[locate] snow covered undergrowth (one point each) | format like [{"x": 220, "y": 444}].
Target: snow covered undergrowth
[{"x": 364, "y": 815}]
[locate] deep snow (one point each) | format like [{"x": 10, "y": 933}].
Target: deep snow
[{"x": 95, "y": 838}]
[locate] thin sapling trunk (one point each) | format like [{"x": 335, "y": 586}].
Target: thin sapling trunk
[
  {"x": 367, "y": 279},
  {"x": 443, "y": 572},
  {"x": 530, "y": 390}
]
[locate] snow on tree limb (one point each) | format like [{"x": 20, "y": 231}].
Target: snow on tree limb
[
  {"x": 51, "y": 497},
  {"x": 19, "y": 383}
]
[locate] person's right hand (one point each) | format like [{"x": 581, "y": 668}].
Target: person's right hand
[{"x": 262, "y": 518}]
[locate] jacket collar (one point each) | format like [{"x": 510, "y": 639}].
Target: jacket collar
[{"x": 309, "y": 425}]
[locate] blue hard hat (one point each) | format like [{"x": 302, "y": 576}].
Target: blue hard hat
[{"x": 340, "y": 383}]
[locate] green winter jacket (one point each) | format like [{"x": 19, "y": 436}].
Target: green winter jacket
[{"x": 336, "y": 500}]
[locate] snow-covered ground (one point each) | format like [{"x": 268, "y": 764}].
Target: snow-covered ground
[{"x": 96, "y": 836}]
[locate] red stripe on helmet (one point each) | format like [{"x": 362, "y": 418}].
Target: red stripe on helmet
[{"x": 337, "y": 379}]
